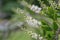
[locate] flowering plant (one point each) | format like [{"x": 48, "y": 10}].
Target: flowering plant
[{"x": 36, "y": 21}]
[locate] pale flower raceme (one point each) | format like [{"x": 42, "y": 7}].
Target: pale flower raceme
[
  {"x": 34, "y": 35},
  {"x": 36, "y": 9},
  {"x": 40, "y": 38},
  {"x": 33, "y": 8},
  {"x": 32, "y": 22}
]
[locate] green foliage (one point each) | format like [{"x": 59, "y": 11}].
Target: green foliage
[{"x": 48, "y": 17}]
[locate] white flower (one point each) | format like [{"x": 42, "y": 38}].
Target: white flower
[
  {"x": 33, "y": 7},
  {"x": 32, "y": 22},
  {"x": 39, "y": 8},
  {"x": 40, "y": 38},
  {"x": 36, "y": 9},
  {"x": 34, "y": 35}
]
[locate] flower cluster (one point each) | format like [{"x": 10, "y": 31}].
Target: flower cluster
[
  {"x": 35, "y": 35},
  {"x": 36, "y": 9},
  {"x": 32, "y": 22}
]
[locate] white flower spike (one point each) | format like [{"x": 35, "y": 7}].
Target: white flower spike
[
  {"x": 36, "y": 9},
  {"x": 34, "y": 35},
  {"x": 32, "y": 22}
]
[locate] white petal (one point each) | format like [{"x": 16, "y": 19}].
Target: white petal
[
  {"x": 34, "y": 35},
  {"x": 32, "y": 7},
  {"x": 39, "y": 8},
  {"x": 37, "y": 11},
  {"x": 40, "y": 38},
  {"x": 36, "y": 7}
]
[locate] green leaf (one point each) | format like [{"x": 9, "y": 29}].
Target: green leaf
[
  {"x": 55, "y": 26},
  {"x": 49, "y": 35}
]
